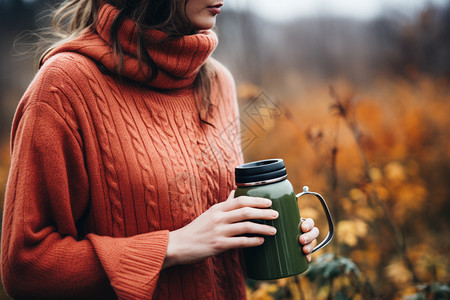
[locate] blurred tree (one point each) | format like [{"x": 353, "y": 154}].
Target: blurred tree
[{"x": 424, "y": 45}]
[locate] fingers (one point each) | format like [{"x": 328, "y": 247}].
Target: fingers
[
  {"x": 245, "y": 201},
  {"x": 244, "y": 242},
  {"x": 240, "y": 228},
  {"x": 307, "y": 224},
  {"x": 308, "y": 248},
  {"x": 310, "y": 236},
  {"x": 249, "y": 213}
]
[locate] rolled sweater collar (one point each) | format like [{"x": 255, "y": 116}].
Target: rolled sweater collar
[{"x": 178, "y": 59}]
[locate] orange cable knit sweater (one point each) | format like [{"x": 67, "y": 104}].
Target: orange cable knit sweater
[{"x": 102, "y": 169}]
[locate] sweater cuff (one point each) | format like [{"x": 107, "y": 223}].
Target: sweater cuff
[{"x": 133, "y": 264}]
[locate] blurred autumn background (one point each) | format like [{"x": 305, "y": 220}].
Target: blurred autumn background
[{"x": 358, "y": 107}]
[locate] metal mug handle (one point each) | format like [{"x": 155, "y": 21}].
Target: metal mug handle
[{"x": 330, "y": 234}]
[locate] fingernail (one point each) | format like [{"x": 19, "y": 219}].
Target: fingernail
[
  {"x": 274, "y": 230},
  {"x": 268, "y": 202},
  {"x": 275, "y": 214}
]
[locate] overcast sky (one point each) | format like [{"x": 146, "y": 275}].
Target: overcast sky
[{"x": 361, "y": 9}]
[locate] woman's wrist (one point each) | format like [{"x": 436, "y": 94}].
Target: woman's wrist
[{"x": 171, "y": 252}]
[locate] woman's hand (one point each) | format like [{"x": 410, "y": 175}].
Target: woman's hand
[
  {"x": 221, "y": 228},
  {"x": 309, "y": 236}
]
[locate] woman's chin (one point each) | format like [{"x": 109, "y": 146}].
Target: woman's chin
[{"x": 205, "y": 25}]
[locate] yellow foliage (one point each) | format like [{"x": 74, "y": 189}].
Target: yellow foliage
[
  {"x": 408, "y": 290},
  {"x": 375, "y": 174},
  {"x": 346, "y": 204},
  {"x": 412, "y": 195},
  {"x": 294, "y": 290},
  {"x": 404, "y": 131},
  {"x": 349, "y": 231},
  {"x": 366, "y": 213},
  {"x": 370, "y": 257},
  {"x": 309, "y": 212},
  {"x": 283, "y": 282},
  {"x": 247, "y": 90},
  {"x": 395, "y": 172},
  {"x": 263, "y": 292},
  {"x": 4, "y": 168},
  {"x": 398, "y": 273},
  {"x": 358, "y": 195},
  {"x": 409, "y": 197}
]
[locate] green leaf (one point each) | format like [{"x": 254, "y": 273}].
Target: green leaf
[
  {"x": 419, "y": 296},
  {"x": 349, "y": 266},
  {"x": 440, "y": 291},
  {"x": 332, "y": 269},
  {"x": 340, "y": 296}
]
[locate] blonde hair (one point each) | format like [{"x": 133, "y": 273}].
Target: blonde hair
[{"x": 72, "y": 17}]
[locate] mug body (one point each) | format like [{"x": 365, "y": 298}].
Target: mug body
[{"x": 280, "y": 255}]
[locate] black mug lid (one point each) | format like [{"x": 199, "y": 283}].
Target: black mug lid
[{"x": 260, "y": 171}]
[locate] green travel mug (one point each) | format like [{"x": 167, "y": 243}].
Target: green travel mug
[{"x": 280, "y": 255}]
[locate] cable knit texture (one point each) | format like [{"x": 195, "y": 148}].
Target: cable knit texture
[{"x": 102, "y": 169}]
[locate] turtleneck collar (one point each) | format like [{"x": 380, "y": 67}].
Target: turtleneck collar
[{"x": 178, "y": 59}]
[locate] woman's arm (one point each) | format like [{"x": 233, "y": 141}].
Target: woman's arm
[
  {"x": 222, "y": 227},
  {"x": 43, "y": 255}
]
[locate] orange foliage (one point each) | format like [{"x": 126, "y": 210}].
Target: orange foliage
[
  {"x": 4, "y": 168},
  {"x": 404, "y": 135}
]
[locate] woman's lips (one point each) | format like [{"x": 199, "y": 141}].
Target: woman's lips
[{"x": 215, "y": 9}]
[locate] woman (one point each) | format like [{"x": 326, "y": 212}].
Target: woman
[{"x": 122, "y": 162}]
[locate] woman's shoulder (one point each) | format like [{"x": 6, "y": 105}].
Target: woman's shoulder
[
  {"x": 223, "y": 72},
  {"x": 63, "y": 75},
  {"x": 67, "y": 66},
  {"x": 227, "y": 99},
  {"x": 60, "y": 83}
]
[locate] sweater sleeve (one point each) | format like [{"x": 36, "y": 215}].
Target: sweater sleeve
[{"x": 47, "y": 194}]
